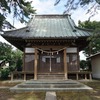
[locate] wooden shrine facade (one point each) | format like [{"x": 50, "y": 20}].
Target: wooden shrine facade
[{"x": 51, "y": 60}]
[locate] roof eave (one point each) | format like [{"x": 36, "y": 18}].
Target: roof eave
[{"x": 93, "y": 55}]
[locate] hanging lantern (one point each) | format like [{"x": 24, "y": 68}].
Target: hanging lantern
[{"x": 57, "y": 52}]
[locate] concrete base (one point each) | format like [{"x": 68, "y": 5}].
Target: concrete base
[{"x": 49, "y": 85}]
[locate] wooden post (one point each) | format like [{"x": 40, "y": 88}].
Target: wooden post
[
  {"x": 85, "y": 76},
  {"x": 90, "y": 76},
  {"x": 35, "y": 65},
  {"x": 78, "y": 59},
  {"x": 24, "y": 76},
  {"x": 77, "y": 76},
  {"x": 24, "y": 61},
  {"x": 65, "y": 64},
  {"x": 12, "y": 76}
]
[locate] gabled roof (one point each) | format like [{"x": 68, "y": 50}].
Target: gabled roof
[{"x": 48, "y": 26}]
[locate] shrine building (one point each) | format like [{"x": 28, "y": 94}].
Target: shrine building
[{"x": 50, "y": 43}]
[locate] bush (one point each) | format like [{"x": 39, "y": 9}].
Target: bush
[
  {"x": 85, "y": 65},
  {"x": 12, "y": 68},
  {"x": 19, "y": 64},
  {"x": 4, "y": 73}
]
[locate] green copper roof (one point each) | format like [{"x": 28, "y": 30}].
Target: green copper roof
[{"x": 49, "y": 26}]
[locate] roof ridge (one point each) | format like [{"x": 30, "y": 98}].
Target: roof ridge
[
  {"x": 70, "y": 22},
  {"x": 51, "y": 14}
]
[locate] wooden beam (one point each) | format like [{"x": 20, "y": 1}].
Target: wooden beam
[
  {"x": 65, "y": 64},
  {"x": 35, "y": 65}
]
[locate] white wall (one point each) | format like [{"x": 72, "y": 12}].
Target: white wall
[
  {"x": 96, "y": 66},
  {"x": 29, "y": 50}
]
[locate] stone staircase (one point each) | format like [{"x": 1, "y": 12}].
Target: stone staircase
[
  {"x": 49, "y": 85},
  {"x": 49, "y": 76}
]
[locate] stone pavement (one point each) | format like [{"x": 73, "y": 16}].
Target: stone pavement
[{"x": 50, "y": 96}]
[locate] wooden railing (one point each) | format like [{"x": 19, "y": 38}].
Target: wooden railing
[
  {"x": 77, "y": 74},
  {"x": 21, "y": 73},
  {"x": 81, "y": 73}
]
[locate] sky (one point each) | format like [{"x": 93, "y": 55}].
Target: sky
[{"x": 47, "y": 7}]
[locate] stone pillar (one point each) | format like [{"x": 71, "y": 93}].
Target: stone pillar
[
  {"x": 35, "y": 65},
  {"x": 65, "y": 64}
]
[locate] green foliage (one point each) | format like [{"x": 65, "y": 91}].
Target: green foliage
[
  {"x": 89, "y": 25},
  {"x": 12, "y": 68},
  {"x": 20, "y": 9},
  {"x": 5, "y": 51},
  {"x": 85, "y": 65},
  {"x": 2, "y": 18},
  {"x": 4, "y": 73},
  {"x": 18, "y": 58},
  {"x": 94, "y": 45},
  {"x": 19, "y": 65},
  {"x": 74, "y": 4},
  {"x": 10, "y": 55},
  {"x": 14, "y": 57}
]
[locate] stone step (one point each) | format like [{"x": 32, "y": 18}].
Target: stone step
[
  {"x": 49, "y": 85},
  {"x": 50, "y": 76},
  {"x": 64, "y": 85}
]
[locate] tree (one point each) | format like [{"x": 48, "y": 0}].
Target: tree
[
  {"x": 5, "y": 51},
  {"x": 10, "y": 55},
  {"x": 18, "y": 59},
  {"x": 94, "y": 45},
  {"x": 85, "y": 65},
  {"x": 20, "y": 9},
  {"x": 14, "y": 57},
  {"x": 74, "y": 4}
]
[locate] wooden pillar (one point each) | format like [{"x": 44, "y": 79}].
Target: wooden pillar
[
  {"x": 24, "y": 76},
  {"x": 65, "y": 64},
  {"x": 12, "y": 76},
  {"x": 85, "y": 76},
  {"x": 77, "y": 76},
  {"x": 35, "y": 65},
  {"x": 78, "y": 59},
  {"x": 24, "y": 61},
  {"x": 90, "y": 76},
  {"x": 24, "y": 65}
]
